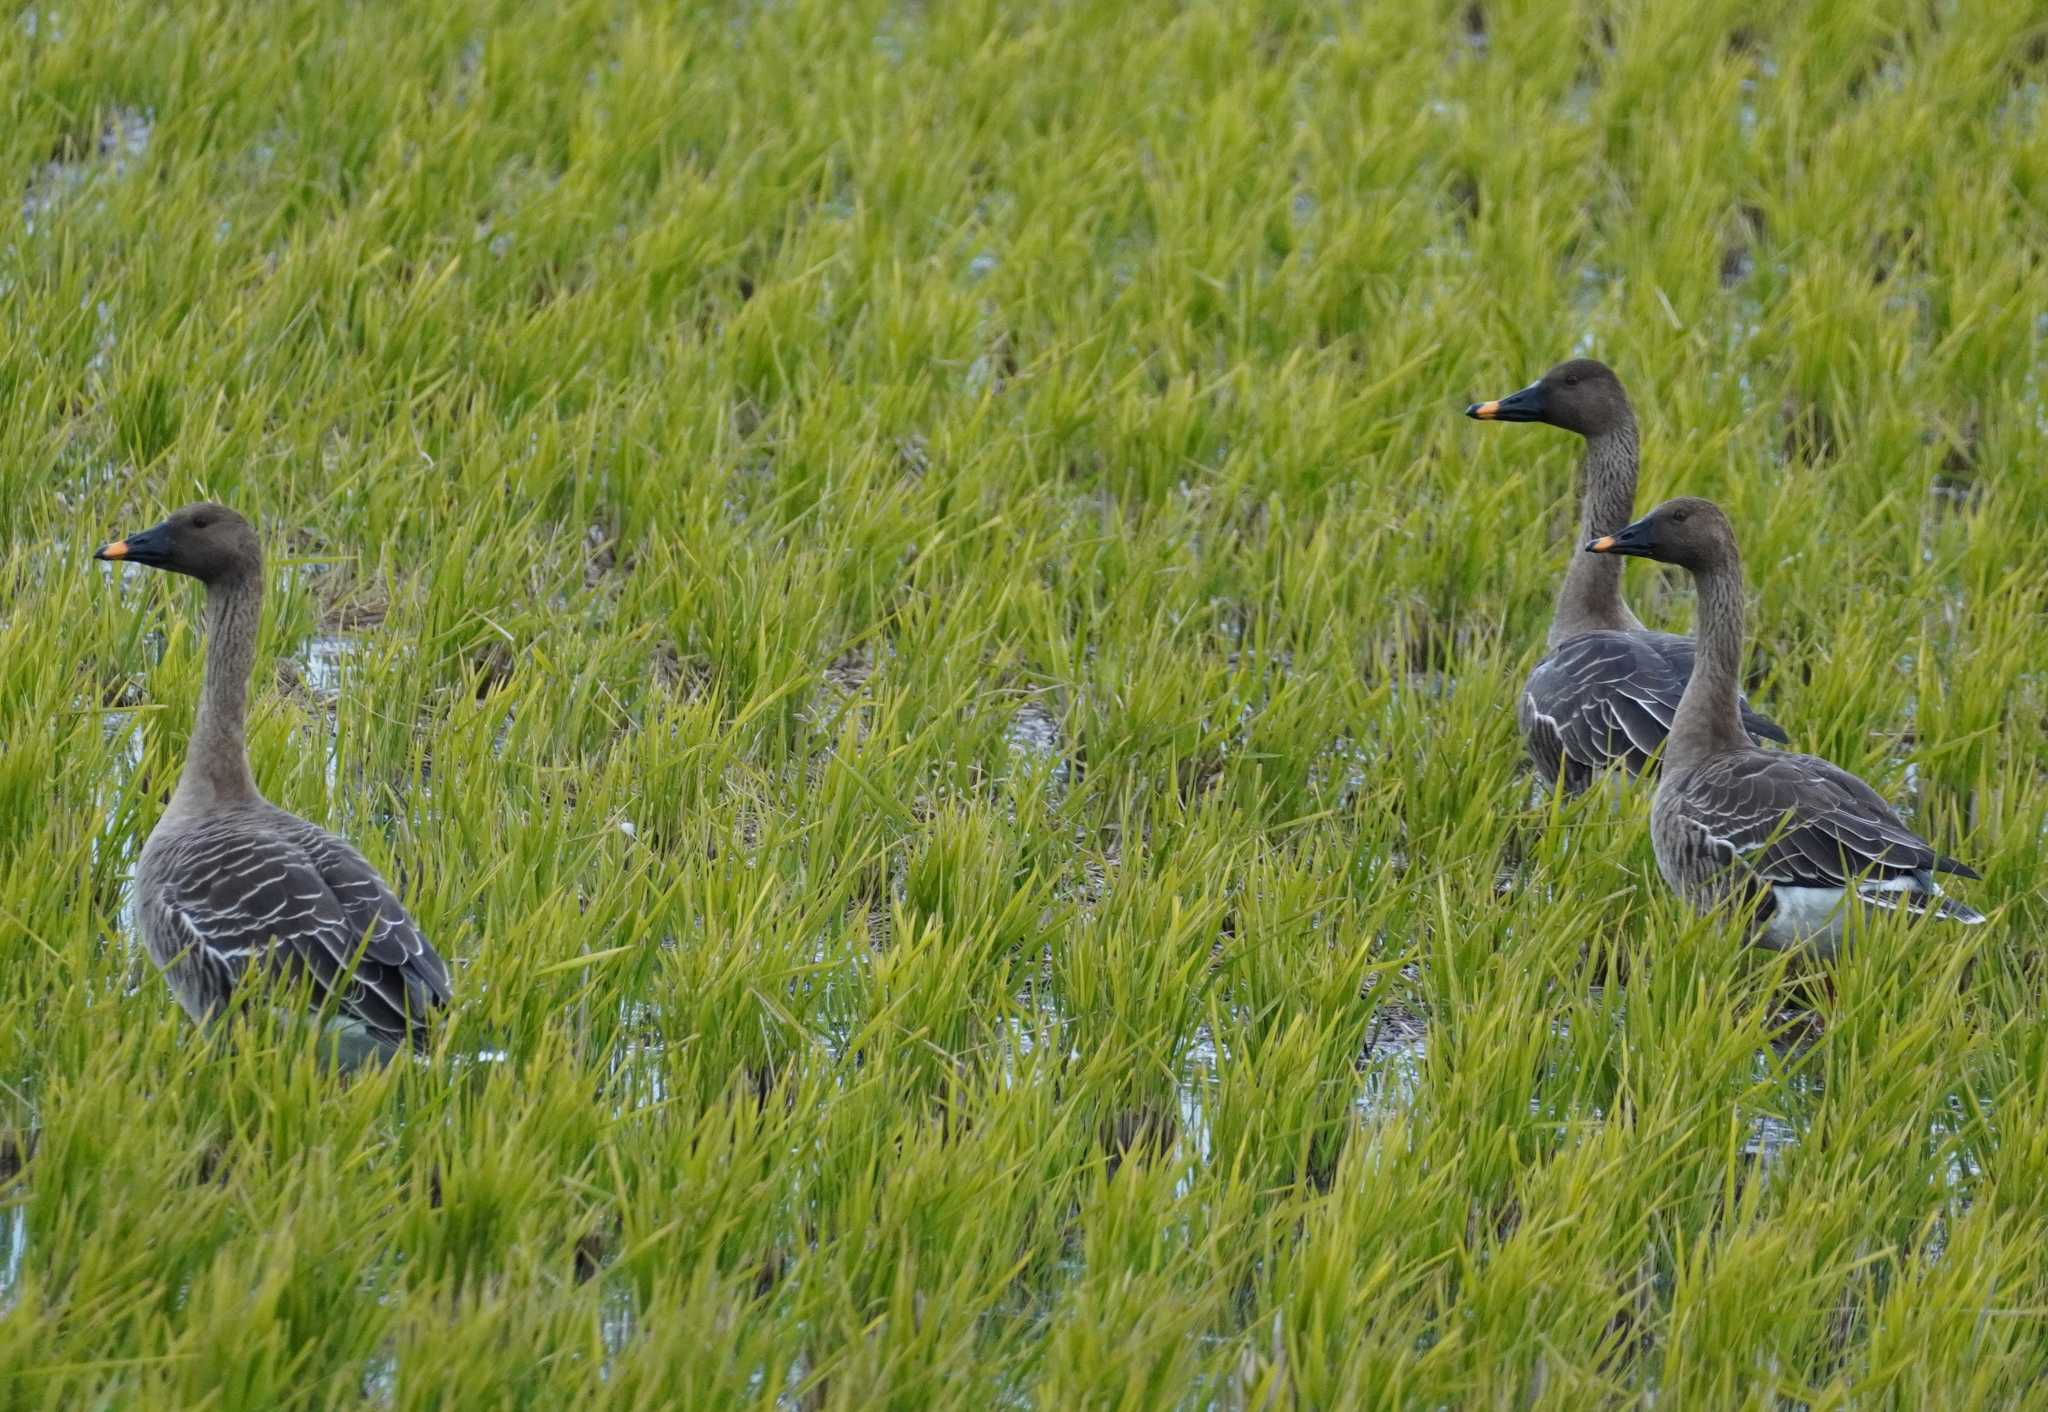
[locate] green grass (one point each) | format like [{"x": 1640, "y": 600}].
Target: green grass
[{"x": 905, "y": 592}]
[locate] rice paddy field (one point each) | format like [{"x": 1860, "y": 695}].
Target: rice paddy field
[{"x": 902, "y": 590}]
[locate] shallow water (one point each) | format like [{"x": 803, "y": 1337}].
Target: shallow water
[
  {"x": 1198, "y": 1079},
  {"x": 1770, "y": 1137},
  {"x": 1393, "y": 1072},
  {"x": 13, "y": 1247},
  {"x": 324, "y": 659},
  {"x": 1035, "y": 743},
  {"x": 122, "y": 141},
  {"x": 123, "y": 730}
]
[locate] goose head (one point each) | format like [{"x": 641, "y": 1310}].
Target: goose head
[
  {"x": 207, "y": 542},
  {"x": 1689, "y": 532},
  {"x": 1582, "y": 395}
]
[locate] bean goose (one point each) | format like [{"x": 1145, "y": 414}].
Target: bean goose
[
  {"x": 227, "y": 880},
  {"x": 1608, "y": 687},
  {"x": 1733, "y": 822}
]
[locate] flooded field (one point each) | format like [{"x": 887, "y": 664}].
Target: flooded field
[{"x": 902, "y": 592}]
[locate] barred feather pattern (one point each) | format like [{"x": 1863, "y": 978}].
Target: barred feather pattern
[
  {"x": 252, "y": 885},
  {"x": 1608, "y": 698},
  {"x": 1800, "y": 837}
]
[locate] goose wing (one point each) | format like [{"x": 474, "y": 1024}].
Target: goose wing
[
  {"x": 291, "y": 895},
  {"x": 374, "y": 911},
  {"x": 1602, "y": 698},
  {"x": 1797, "y": 821}
]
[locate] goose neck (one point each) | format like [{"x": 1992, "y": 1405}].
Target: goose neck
[
  {"x": 1590, "y": 598},
  {"x": 1709, "y": 717},
  {"x": 217, "y": 760}
]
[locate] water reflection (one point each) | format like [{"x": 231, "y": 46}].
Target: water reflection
[{"x": 13, "y": 1247}]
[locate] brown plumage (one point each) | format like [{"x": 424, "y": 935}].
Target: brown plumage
[
  {"x": 1732, "y": 822},
  {"x": 227, "y": 880}
]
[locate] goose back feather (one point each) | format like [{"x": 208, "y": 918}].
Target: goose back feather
[
  {"x": 1794, "y": 834},
  {"x": 1608, "y": 698},
  {"x": 256, "y": 886}
]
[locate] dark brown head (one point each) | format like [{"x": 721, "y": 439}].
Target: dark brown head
[
  {"x": 209, "y": 542},
  {"x": 1583, "y": 396},
  {"x": 1689, "y": 532}
]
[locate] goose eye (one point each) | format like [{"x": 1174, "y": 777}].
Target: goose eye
[
  {"x": 1678, "y": 516},
  {"x": 1571, "y": 382},
  {"x": 201, "y": 523}
]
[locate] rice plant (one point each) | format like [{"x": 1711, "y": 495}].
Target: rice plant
[{"x": 902, "y": 590}]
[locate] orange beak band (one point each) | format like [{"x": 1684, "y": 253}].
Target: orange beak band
[
  {"x": 117, "y": 550},
  {"x": 1603, "y": 545},
  {"x": 1484, "y": 411}
]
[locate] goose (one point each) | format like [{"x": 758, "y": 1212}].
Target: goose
[
  {"x": 1733, "y": 822},
  {"x": 227, "y": 880},
  {"x": 1606, "y": 690}
]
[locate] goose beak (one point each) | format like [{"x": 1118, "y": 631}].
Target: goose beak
[
  {"x": 1528, "y": 405},
  {"x": 151, "y": 547},
  {"x": 1639, "y": 539}
]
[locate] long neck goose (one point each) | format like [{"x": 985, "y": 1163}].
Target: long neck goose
[
  {"x": 1607, "y": 689},
  {"x": 227, "y": 879},
  {"x": 1735, "y": 822}
]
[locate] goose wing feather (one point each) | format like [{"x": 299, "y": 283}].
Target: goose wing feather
[
  {"x": 293, "y": 896},
  {"x": 1603, "y": 697},
  {"x": 367, "y": 899},
  {"x": 1798, "y": 821}
]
